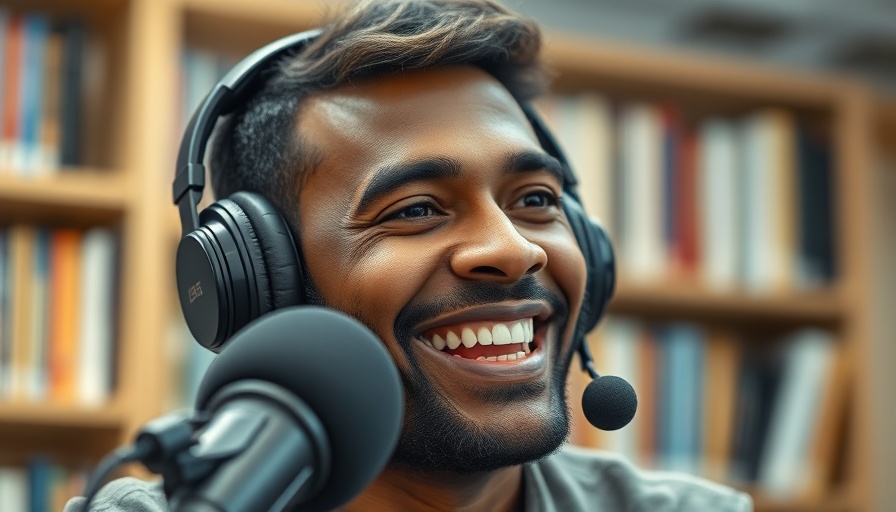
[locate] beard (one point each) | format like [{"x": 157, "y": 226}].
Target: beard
[{"x": 435, "y": 437}]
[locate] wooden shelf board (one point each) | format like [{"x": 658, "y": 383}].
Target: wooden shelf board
[
  {"x": 69, "y": 192},
  {"x": 59, "y": 416},
  {"x": 834, "y": 503},
  {"x": 886, "y": 110},
  {"x": 211, "y": 23},
  {"x": 68, "y": 434},
  {"x": 596, "y": 62},
  {"x": 686, "y": 301}
]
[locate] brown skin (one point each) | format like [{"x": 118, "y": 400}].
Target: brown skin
[{"x": 428, "y": 239}]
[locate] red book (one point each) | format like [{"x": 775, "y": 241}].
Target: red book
[{"x": 686, "y": 214}]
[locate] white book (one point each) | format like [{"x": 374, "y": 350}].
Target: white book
[
  {"x": 97, "y": 310},
  {"x": 14, "y": 489},
  {"x": 641, "y": 240},
  {"x": 784, "y": 464},
  {"x": 620, "y": 337},
  {"x": 586, "y": 128},
  {"x": 719, "y": 212},
  {"x": 769, "y": 201}
]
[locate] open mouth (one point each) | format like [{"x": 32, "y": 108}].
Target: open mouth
[{"x": 485, "y": 340}]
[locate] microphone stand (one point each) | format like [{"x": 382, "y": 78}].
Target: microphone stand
[{"x": 253, "y": 421}]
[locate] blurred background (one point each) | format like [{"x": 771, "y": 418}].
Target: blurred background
[{"x": 741, "y": 153}]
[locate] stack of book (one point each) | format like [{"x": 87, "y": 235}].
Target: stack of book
[
  {"x": 46, "y": 73},
  {"x": 730, "y": 201},
  {"x": 734, "y": 408},
  {"x": 40, "y": 486},
  {"x": 57, "y": 314}
]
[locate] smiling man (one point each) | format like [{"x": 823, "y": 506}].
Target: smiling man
[{"x": 396, "y": 148}]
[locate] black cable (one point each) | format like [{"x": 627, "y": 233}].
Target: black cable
[{"x": 115, "y": 459}]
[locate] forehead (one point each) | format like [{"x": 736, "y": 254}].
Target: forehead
[{"x": 448, "y": 111}]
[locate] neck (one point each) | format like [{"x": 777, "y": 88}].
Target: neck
[{"x": 400, "y": 489}]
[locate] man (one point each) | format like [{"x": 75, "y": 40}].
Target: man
[{"x": 396, "y": 147}]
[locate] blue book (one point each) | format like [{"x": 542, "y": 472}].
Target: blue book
[
  {"x": 40, "y": 484},
  {"x": 681, "y": 413},
  {"x": 36, "y": 30}
]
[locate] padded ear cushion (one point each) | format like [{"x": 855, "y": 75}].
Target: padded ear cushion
[
  {"x": 272, "y": 251},
  {"x": 593, "y": 242}
]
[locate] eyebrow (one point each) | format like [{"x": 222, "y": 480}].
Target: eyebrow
[{"x": 391, "y": 177}]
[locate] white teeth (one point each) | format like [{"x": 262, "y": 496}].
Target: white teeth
[
  {"x": 485, "y": 336},
  {"x": 480, "y": 358},
  {"x": 501, "y": 334},
  {"x": 491, "y": 358},
  {"x": 468, "y": 337},
  {"x": 511, "y": 357},
  {"x": 521, "y": 331},
  {"x": 502, "y": 357},
  {"x": 516, "y": 333},
  {"x": 453, "y": 341},
  {"x": 520, "y": 355}
]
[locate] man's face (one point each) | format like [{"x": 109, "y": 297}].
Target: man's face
[{"x": 433, "y": 218}]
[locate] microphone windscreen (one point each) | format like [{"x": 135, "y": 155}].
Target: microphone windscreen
[
  {"x": 609, "y": 402},
  {"x": 340, "y": 369}
]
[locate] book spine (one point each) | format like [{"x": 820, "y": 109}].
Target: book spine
[
  {"x": 5, "y": 315},
  {"x": 72, "y": 92},
  {"x": 97, "y": 308},
  {"x": 26, "y": 158},
  {"x": 12, "y": 94},
  {"x": 719, "y": 202},
  {"x": 64, "y": 310}
]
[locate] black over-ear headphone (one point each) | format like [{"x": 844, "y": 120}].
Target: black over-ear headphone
[{"x": 237, "y": 259}]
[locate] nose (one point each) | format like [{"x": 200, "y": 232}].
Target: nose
[{"x": 493, "y": 249}]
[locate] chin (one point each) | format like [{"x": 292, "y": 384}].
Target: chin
[{"x": 437, "y": 438}]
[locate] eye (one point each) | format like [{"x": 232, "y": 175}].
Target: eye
[
  {"x": 415, "y": 211},
  {"x": 539, "y": 199}
]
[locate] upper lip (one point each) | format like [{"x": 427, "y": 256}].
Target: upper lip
[{"x": 498, "y": 312}]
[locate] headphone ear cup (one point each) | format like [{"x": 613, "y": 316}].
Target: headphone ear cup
[
  {"x": 600, "y": 261},
  {"x": 240, "y": 264},
  {"x": 274, "y": 255}
]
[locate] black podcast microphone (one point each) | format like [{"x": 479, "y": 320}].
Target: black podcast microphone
[
  {"x": 305, "y": 409},
  {"x": 609, "y": 402}
]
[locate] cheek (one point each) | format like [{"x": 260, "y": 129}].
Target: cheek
[
  {"x": 373, "y": 286},
  {"x": 567, "y": 267}
]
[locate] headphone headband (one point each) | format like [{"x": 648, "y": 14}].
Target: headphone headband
[{"x": 237, "y": 86}]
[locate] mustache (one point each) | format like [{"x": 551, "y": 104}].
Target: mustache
[{"x": 476, "y": 293}]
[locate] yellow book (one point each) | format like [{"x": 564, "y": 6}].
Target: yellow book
[
  {"x": 21, "y": 256},
  {"x": 720, "y": 395},
  {"x": 65, "y": 265}
]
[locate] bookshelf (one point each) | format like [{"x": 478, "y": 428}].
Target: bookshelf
[{"x": 124, "y": 182}]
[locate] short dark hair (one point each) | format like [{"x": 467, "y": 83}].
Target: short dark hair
[{"x": 258, "y": 147}]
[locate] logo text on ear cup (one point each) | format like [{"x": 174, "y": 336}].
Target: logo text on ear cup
[{"x": 195, "y": 291}]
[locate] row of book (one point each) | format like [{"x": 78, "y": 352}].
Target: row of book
[
  {"x": 42, "y": 89},
  {"x": 730, "y": 201},
  {"x": 40, "y": 486},
  {"x": 57, "y": 314},
  {"x": 737, "y": 409}
]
